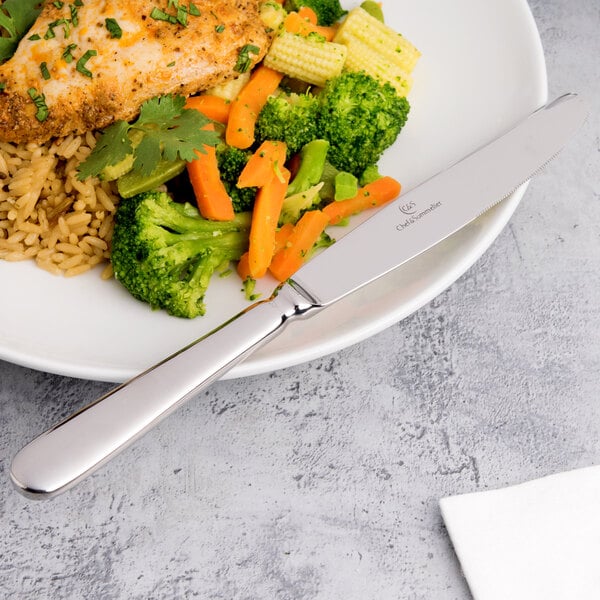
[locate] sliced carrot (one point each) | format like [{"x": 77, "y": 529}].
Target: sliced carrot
[
  {"x": 211, "y": 196},
  {"x": 263, "y": 164},
  {"x": 296, "y": 23},
  {"x": 265, "y": 215},
  {"x": 304, "y": 236},
  {"x": 249, "y": 102},
  {"x": 213, "y": 107},
  {"x": 327, "y": 32},
  {"x": 243, "y": 267},
  {"x": 282, "y": 236},
  {"x": 373, "y": 194},
  {"x": 309, "y": 14}
]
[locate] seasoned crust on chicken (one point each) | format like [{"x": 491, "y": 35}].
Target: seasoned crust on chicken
[{"x": 152, "y": 57}]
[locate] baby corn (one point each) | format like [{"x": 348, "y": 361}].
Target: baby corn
[
  {"x": 362, "y": 57},
  {"x": 375, "y": 47},
  {"x": 309, "y": 59}
]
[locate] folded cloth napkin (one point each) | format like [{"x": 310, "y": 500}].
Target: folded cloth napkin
[{"x": 539, "y": 540}]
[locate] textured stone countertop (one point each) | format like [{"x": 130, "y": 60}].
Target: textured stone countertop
[{"x": 322, "y": 481}]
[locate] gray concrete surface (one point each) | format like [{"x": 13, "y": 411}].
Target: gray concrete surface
[{"x": 322, "y": 481}]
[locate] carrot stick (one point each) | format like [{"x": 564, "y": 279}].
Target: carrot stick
[
  {"x": 263, "y": 164},
  {"x": 249, "y": 102},
  {"x": 265, "y": 215},
  {"x": 296, "y": 23},
  {"x": 306, "y": 233},
  {"x": 243, "y": 267},
  {"x": 213, "y": 107},
  {"x": 308, "y": 13},
  {"x": 373, "y": 194},
  {"x": 211, "y": 196},
  {"x": 282, "y": 236}
]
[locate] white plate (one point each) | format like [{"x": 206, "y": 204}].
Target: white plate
[{"x": 482, "y": 70}]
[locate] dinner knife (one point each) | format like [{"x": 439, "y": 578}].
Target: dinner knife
[{"x": 396, "y": 233}]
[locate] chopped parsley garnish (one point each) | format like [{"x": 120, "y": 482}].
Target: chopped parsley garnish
[
  {"x": 2, "y": 86},
  {"x": 74, "y": 16},
  {"x": 58, "y": 4},
  {"x": 35, "y": 37},
  {"x": 220, "y": 28},
  {"x": 114, "y": 28},
  {"x": 68, "y": 53},
  {"x": 244, "y": 61},
  {"x": 166, "y": 131},
  {"x": 44, "y": 71},
  {"x": 160, "y": 15},
  {"x": 40, "y": 102},
  {"x": 80, "y": 66},
  {"x": 66, "y": 23},
  {"x": 16, "y": 17},
  {"x": 180, "y": 16}
]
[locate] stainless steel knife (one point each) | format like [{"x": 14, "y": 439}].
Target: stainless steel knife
[{"x": 416, "y": 221}]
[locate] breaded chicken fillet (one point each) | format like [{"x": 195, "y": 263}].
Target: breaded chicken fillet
[{"x": 87, "y": 63}]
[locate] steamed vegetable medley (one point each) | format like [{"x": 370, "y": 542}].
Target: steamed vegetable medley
[{"x": 255, "y": 170}]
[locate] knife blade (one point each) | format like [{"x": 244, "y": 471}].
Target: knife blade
[{"x": 73, "y": 449}]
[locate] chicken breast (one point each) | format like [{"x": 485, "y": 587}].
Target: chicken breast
[{"x": 85, "y": 64}]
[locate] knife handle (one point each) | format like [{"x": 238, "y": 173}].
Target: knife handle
[{"x": 76, "y": 447}]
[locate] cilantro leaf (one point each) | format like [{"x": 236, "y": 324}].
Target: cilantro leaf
[
  {"x": 160, "y": 110},
  {"x": 170, "y": 132},
  {"x": 16, "y": 17},
  {"x": 147, "y": 155},
  {"x": 111, "y": 148},
  {"x": 164, "y": 130},
  {"x": 195, "y": 139}
]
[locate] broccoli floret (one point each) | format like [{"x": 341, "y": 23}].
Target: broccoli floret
[
  {"x": 327, "y": 11},
  {"x": 231, "y": 162},
  {"x": 165, "y": 253},
  {"x": 290, "y": 118},
  {"x": 369, "y": 175},
  {"x": 360, "y": 117}
]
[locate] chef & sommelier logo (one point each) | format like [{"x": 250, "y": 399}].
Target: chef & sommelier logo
[{"x": 410, "y": 210}]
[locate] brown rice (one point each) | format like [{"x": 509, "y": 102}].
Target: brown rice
[{"x": 47, "y": 214}]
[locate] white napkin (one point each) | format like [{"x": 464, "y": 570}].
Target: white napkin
[{"x": 539, "y": 540}]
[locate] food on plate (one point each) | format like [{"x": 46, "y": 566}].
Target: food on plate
[
  {"x": 54, "y": 85},
  {"x": 83, "y": 65},
  {"x": 360, "y": 118},
  {"x": 16, "y": 17},
  {"x": 251, "y": 168},
  {"x": 290, "y": 117},
  {"x": 165, "y": 252},
  {"x": 328, "y": 12},
  {"x": 47, "y": 214}
]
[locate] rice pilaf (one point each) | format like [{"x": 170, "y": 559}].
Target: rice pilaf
[{"x": 47, "y": 214}]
